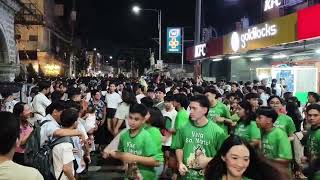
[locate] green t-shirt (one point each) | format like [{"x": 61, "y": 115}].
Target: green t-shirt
[
  {"x": 249, "y": 133},
  {"x": 285, "y": 123},
  {"x": 157, "y": 138},
  {"x": 220, "y": 110},
  {"x": 142, "y": 145},
  {"x": 235, "y": 117},
  {"x": 195, "y": 141},
  {"x": 182, "y": 119},
  {"x": 276, "y": 145},
  {"x": 313, "y": 144}
]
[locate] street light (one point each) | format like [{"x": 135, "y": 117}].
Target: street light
[
  {"x": 110, "y": 57},
  {"x": 137, "y": 9}
]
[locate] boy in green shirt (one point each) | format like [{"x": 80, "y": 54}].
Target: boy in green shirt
[
  {"x": 313, "y": 141},
  {"x": 275, "y": 142},
  {"x": 136, "y": 147},
  {"x": 283, "y": 121},
  {"x": 218, "y": 112},
  {"x": 198, "y": 141}
]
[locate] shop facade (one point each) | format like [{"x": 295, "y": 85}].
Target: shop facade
[{"x": 287, "y": 47}]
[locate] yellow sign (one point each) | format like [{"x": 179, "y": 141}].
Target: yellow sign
[
  {"x": 275, "y": 32},
  {"x": 52, "y": 69}
]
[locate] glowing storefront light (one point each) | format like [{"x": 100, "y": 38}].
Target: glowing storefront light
[{"x": 52, "y": 69}]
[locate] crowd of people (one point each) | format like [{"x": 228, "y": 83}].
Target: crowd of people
[{"x": 160, "y": 128}]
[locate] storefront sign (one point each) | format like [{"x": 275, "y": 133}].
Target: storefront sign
[
  {"x": 271, "y": 33},
  {"x": 240, "y": 41},
  {"x": 174, "y": 40},
  {"x": 270, "y": 4},
  {"x": 200, "y": 50},
  {"x": 212, "y": 48}
]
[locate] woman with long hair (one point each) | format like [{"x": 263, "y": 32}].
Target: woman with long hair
[
  {"x": 23, "y": 112},
  {"x": 247, "y": 127},
  {"x": 236, "y": 159}
]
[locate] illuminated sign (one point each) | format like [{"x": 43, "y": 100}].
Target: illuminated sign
[
  {"x": 174, "y": 40},
  {"x": 271, "y": 33},
  {"x": 235, "y": 41},
  {"x": 270, "y": 4},
  {"x": 253, "y": 33},
  {"x": 199, "y": 50}
]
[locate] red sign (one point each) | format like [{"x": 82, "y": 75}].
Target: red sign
[
  {"x": 213, "y": 47},
  {"x": 308, "y": 22}
]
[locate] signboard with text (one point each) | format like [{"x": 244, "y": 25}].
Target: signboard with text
[
  {"x": 174, "y": 40},
  {"x": 278, "y": 31}
]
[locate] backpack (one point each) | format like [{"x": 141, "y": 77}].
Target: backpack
[
  {"x": 32, "y": 146},
  {"x": 43, "y": 160}
]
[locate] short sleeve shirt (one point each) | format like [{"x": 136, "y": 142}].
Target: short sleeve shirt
[
  {"x": 276, "y": 145},
  {"x": 313, "y": 144},
  {"x": 141, "y": 145},
  {"x": 113, "y": 100},
  {"x": 47, "y": 130},
  {"x": 285, "y": 123},
  {"x": 62, "y": 155},
  {"x": 13, "y": 171},
  {"x": 157, "y": 138},
  {"x": 39, "y": 104},
  {"x": 196, "y": 141},
  {"x": 123, "y": 113},
  {"x": 219, "y": 110},
  {"x": 248, "y": 132},
  {"x": 99, "y": 109}
]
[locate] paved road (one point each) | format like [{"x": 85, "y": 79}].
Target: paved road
[{"x": 104, "y": 169}]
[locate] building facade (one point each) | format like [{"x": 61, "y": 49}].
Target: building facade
[
  {"x": 40, "y": 40},
  {"x": 9, "y": 62}
]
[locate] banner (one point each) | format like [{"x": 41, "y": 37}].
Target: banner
[{"x": 174, "y": 40}]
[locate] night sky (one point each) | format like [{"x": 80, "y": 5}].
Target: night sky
[{"x": 110, "y": 25}]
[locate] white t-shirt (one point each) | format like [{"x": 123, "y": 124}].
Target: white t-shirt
[
  {"x": 172, "y": 115},
  {"x": 39, "y": 104},
  {"x": 123, "y": 113},
  {"x": 139, "y": 97},
  {"x": 13, "y": 171},
  {"x": 113, "y": 100},
  {"x": 62, "y": 155},
  {"x": 90, "y": 121},
  {"x": 48, "y": 129},
  {"x": 82, "y": 129}
]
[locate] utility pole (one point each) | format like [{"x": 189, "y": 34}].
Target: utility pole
[
  {"x": 197, "y": 30},
  {"x": 160, "y": 34},
  {"x": 182, "y": 47},
  {"x": 198, "y": 22},
  {"x": 72, "y": 61}
]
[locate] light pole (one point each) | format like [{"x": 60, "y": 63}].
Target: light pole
[{"x": 137, "y": 9}]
